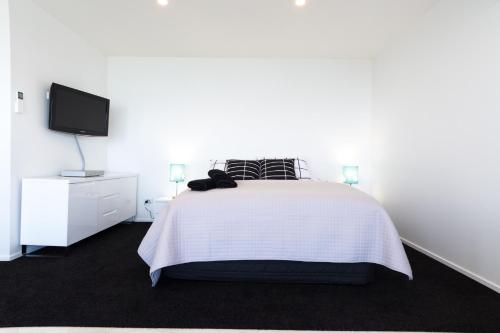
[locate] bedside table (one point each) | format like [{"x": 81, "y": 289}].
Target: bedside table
[{"x": 159, "y": 205}]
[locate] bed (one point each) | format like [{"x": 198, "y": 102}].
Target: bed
[{"x": 274, "y": 230}]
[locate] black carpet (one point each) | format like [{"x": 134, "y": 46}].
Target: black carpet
[{"x": 102, "y": 282}]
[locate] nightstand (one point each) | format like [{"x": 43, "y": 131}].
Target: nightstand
[{"x": 159, "y": 205}]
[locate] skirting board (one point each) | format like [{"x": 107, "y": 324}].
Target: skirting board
[
  {"x": 143, "y": 219},
  {"x": 11, "y": 257},
  {"x": 454, "y": 266}
]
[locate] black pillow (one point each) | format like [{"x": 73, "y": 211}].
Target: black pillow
[
  {"x": 243, "y": 169},
  {"x": 278, "y": 169},
  {"x": 222, "y": 179},
  {"x": 202, "y": 184}
]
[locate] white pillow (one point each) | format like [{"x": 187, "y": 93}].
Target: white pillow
[
  {"x": 302, "y": 169},
  {"x": 218, "y": 164}
]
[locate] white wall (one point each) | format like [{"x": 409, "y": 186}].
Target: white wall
[
  {"x": 5, "y": 123},
  {"x": 43, "y": 51},
  {"x": 168, "y": 110},
  {"x": 437, "y": 135}
]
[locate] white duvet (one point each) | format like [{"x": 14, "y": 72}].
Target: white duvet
[{"x": 274, "y": 220}]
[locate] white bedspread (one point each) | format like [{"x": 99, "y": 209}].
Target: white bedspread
[{"x": 274, "y": 220}]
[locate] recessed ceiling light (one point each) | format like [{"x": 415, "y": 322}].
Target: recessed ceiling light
[
  {"x": 163, "y": 2},
  {"x": 300, "y": 3}
]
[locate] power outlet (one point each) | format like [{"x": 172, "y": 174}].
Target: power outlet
[{"x": 19, "y": 103}]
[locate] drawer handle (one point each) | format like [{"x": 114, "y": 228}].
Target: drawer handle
[
  {"x": 114, "y": 211},
  {"x": 111, "y": 196}
]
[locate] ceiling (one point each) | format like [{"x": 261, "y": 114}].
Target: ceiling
[{"x": 239, "y": 28}]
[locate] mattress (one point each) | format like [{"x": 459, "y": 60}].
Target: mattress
[{"x": 306, "y": 221}]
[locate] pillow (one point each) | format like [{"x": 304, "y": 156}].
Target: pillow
[
  {"x": 243, "y": 169},
  {"x": 302, "y": 169},
  {"x": 277, "y": 169},
  {"x": 218, "y": 164}
]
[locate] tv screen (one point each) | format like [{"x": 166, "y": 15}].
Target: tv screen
[{"x": 77, "y": 112}]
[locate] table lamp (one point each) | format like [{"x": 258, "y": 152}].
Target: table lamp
[
  {"x": 351, "y": 174},
  {"x": 177, "y": 175}
]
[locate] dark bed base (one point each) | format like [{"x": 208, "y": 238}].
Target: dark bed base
[{"x": 274, "y": 271}]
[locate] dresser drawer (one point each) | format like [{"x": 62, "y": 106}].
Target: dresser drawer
[
  {"x": 117, "y": 201},
  {"x": 109, "y": 187},
  {"x": 82, "y": 211},
  {"x": 109, "y": 218},
  {"x": 109, "y": 202}
]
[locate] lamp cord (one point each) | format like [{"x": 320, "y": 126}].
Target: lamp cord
[{"x": 146, "y": 207}]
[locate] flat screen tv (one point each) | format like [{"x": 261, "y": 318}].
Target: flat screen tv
[{"x": 77, "y": 112}]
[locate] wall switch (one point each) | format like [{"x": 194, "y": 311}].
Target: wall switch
[{"x": 19, "y": 104}]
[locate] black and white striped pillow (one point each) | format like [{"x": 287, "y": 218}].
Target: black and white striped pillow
[
  {"x": 243, "y": 169},
  {"x": 278, "y": 169}
]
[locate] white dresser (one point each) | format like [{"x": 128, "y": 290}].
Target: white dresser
[{"x": 57, "y": 211}]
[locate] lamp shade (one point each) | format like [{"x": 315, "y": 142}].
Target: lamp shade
[
  {"x": 177, "y": 173},
  {"x": 351, "y": 174}
]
